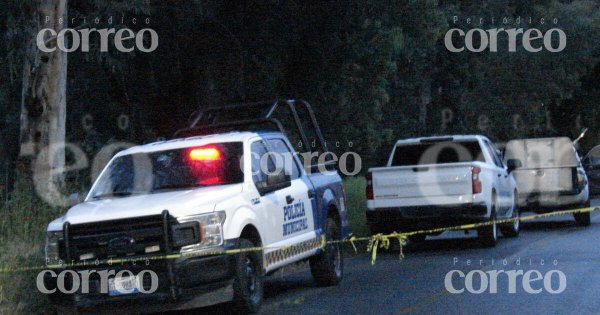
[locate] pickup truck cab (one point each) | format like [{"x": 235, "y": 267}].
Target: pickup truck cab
[
  {"x": 551, "y": 177},
  {"x": 443, "y": 181},
  {"x": 190, "y": 199}
]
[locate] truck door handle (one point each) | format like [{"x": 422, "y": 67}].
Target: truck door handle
[
  {"x": 311, "y": 194},
  {"x": 289, "y": 199}
]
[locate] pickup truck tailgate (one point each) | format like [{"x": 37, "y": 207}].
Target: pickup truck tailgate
[
  {"x": 548, "y": 180},
  {"x": 422, "y": 182}
]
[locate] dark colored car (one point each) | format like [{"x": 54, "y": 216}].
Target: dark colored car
[{"x": 591, "y": 163}]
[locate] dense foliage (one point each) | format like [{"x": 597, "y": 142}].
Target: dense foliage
[{"x": 374, "y": 70}]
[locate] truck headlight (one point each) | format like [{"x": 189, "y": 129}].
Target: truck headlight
[
  {"x": 211, "y": 230},
  {"x": 52, "y": 247}
]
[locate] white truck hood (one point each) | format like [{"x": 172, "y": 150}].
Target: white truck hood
[{"x": 179, "y": 203}]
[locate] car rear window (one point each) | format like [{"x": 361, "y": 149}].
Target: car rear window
[{"x": 438, "y": 153}]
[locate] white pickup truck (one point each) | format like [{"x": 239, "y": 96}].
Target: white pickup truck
[
  {"x": 443, "y": 181},
  {"x": 551, "y": 177},
  {"x": 190, "y": 199}
]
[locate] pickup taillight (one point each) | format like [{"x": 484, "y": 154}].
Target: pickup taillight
[
  {"x": 369, "y": 189},
  {"x": 475, "y": 179}
]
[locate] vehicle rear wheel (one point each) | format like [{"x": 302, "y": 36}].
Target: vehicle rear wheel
[
  {"x": 513, "y": 228},
  {"x": 488, "y": 235},
  {"x": 248, "y": 283},
  {"x": 584, "y": 218},
  {"x": 327, "y": 267}
]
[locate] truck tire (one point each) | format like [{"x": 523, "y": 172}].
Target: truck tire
[
  {"x": 584, "y": 218},
  {"x": 488, "y": 235},
  {"x": 512, "y": 229},
  {"x": 248, "y": 281},
  {"x": 327, "y": 267}
]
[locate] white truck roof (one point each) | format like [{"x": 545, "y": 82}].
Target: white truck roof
[
  {"x": 190, "y": 142},
  {"x": 454, "y": 138}
]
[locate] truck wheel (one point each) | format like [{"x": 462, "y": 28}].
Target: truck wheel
[
  {"x": 584, "y": 218},
  {"x": 513, "y": 228},
  {"x": 488, "y": 235},
  {"x": 327, "y": 267},
  {"x": 248, "y": 282}
]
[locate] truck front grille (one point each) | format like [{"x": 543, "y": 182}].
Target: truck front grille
[{"x": 116, "y": 238}]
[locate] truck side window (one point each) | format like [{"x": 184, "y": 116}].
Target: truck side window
[
  {"x": 494, "y": 155},
  {"x": 284, "y": 157},
  {"x": 260, "y": 155}
]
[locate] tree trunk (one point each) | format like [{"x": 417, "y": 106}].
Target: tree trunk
[{"x": 43, "y": 100}]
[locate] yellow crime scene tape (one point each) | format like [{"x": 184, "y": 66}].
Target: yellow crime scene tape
[{"x": 374, "y": 243}]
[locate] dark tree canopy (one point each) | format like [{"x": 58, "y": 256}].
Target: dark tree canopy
[{"x": 374, "y": 70}]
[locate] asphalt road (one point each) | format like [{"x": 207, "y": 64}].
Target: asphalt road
[{"x": 415, "y": 285}]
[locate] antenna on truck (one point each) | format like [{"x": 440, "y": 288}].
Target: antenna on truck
[{"x": 583, "y": 133}]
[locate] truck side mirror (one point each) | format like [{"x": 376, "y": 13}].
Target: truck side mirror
[
  {"x": 274, "y": 182},
  {"x": 513, "y": 164}
]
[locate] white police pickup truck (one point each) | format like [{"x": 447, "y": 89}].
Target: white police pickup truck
[
  {"x": 443, "y": 181},
  {"x": 197, "y": 196}
]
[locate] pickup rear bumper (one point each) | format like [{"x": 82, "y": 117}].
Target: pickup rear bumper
[
  {"x": 179, "y": 281},
  {"x": 404, "y": 219},
  {"x": 545, "y": 202}
]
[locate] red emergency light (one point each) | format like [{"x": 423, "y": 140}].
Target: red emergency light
[{"x": 208, "y": 153}]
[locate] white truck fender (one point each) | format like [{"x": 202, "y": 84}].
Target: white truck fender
[{"x": 241, "y": 218}]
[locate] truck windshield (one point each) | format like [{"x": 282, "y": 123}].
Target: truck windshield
[
  {"x": 437, "y": 153},
  {"x": 143, "y": 173}
]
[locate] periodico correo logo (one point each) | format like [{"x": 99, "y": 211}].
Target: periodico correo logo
[
  {"x": 124, "y": 39},
  {"x": 510, "y": 35},
  {"x": 506, "y": 280}
]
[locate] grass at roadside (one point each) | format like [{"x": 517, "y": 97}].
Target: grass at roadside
[
  {"x": 356, "y": 203},
  {"x": 22, "y": 232}
]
